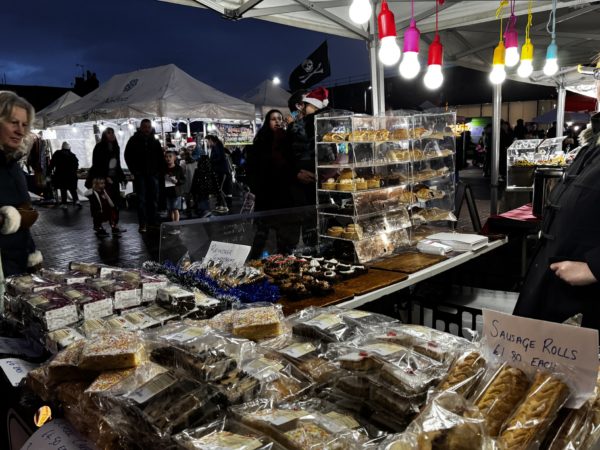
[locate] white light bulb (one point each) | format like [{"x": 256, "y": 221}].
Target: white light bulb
[
  {"x": 389, "y": 52},
  {"x": 525, "y": 68},
  {"x": 102, "y": 127},
  {"x": 433, "y": 78},
  {"x": 512, "y": 57},
  {"x": 276, "y": 81},
  {"x": 74, "y": 129},
  {"x": 360, "y": 11},
  {"x": 551, "y": 67},
  {"x": 498, "y": 74},
  {"x": 410, "y": 66},
  {"x": 130, "y": 126}
]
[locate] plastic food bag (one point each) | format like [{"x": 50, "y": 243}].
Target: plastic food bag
[
  {"x": 464, "y": 374},
  {"x": 447, "y": 422},
  {"x": 532, "y": 418},
  {"x": 500, "y": 396},
  {"x": 224, "y": 434}
]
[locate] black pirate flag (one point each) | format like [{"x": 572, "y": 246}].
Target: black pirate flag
[{"x": 312, "y": 70}]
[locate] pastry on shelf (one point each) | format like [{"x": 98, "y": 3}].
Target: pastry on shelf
[
  {"x": 346, "y": 174},
  {"x": 373, "y": 183},
  {"x": 328, "y": 185},
  {"x": 352, "y": 231},
  {"x": 425, "y": 174},
  {"x": 359, "y": 361},
  {"x": 361, "y": 184},
  {"x": 399, "y": 134},
  {"x": 257, "y": 323},
  {"x": 424, "y": 194},
  {"x": 359, "y": 136},
  {"x": 442, "y": 172},
  {"x": 334, "y": 137},
  {"x": 382, "y": 135},
  {"x": 501, "y": 397},
  {"x": 335, "y": 231},
  {"x": 346, "y": 185},
  {"x": 407, "y": 197},
  {"x": 418, "y": 132},
  {"x": 111, "y": 352},
  {"x": 533, "y": 416},
  {"x": 464, "y": 374}
]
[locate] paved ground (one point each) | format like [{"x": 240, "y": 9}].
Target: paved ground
[{"x": 67, "y": 235}]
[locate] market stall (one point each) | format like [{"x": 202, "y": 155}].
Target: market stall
[
  {"x": 189, "y": 359},
  {"x": 164, "y": 94}
]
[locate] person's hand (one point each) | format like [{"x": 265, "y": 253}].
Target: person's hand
[
  {"x": 288, "y": 119},
  {"x": 305, "y": 177},
  {"x": 109, "y": 180},
  {"x": 574, "y": 273}
]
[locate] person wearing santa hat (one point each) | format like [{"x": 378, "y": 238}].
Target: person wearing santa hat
[{"x": 301, "y": 139}]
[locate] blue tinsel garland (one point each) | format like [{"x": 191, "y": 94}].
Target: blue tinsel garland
[{"x": 251, "y": 293}]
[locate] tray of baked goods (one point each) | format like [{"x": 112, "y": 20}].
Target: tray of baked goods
[
  {"x": 323, "y": 378},
  {"x": 356, "y": 228},
  {"x": 408, "y": 262}
]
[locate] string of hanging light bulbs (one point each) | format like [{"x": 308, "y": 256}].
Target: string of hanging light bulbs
[{"x": 506, "y": 53}]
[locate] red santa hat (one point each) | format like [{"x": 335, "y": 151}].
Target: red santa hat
[{"x": 317, "y": 97}]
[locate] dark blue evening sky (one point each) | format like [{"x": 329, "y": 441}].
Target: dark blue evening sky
[{"x": 45, "y": 40}]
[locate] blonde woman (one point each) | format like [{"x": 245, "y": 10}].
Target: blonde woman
[{"x": 17, "y": 249}]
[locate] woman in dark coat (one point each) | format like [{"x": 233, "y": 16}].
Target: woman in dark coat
[
  {"x": 563, "y": 277},
  {"x": 268, "y": 170},
  {"x": 106, "y": 163},
  {"x": 17, "y": 249},
  {"x": 63, "y": 166},
  {"x": 221, "y": 165},
  {"x": 270, "y": 175}
]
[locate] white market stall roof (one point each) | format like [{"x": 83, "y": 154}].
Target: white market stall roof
[
  {"x": 64, "y": 100},
  {"x": 267, "y": 95},
  {"x": 164, "y": 91},
  {"x": 469, "y": 29}
]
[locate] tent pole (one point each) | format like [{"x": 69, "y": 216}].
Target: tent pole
[
  {"x": 188, "y": 129},
  {"x": 560, "y": 109},
  {"x": 497, "y": 108},
  {"x": 162, "y": 132},
  {"x": 374, "y": 63}
]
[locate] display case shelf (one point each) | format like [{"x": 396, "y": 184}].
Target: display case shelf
[{"x": 403, "y": 167}]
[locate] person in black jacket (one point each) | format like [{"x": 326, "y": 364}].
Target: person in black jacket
[
  {"x": 204, "y": 184},
  {"x": 106, "y": 164},
  {"x": 63, "y": 166},
  {"x": 17, "y": 249},
  {"x": 301, "y": 141},
  {"x": 145, "y": 159},
  {"x": 222, "y": 168},
  {"x": 270, "y": 175},
  {"x": 562, "y": 279}
]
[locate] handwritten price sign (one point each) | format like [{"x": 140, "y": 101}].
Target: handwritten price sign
[
  {"x": 16, "y": 369},
  {"x": 548, "y": 346},
  {"x": 230, "y": 254},
  {"x": 59, "y": 435}
]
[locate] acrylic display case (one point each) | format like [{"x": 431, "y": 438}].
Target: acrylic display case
[
  {"x": 374, "y": 172},
  {"x": 523, "y": 156}
]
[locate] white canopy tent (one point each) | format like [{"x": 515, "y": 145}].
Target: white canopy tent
[
  {"x": 165, "y": 94},
  {"x": 469, "y": 32},
  {"x": 266, "y": 96},
  {"x": 158, "y": 92},
  {"x": 64, "y": 100}
]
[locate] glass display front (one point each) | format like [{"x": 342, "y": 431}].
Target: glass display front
[
  {"x": 374, "y": 173},
  {"x": 523, "y": 156}
]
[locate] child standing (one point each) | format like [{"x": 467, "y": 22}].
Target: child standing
[
  {"x": 174, "y": 181},
  {"x": 103, "y": 209}
]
